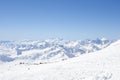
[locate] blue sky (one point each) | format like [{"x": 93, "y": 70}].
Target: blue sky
[{"x": 67, "y": 19}]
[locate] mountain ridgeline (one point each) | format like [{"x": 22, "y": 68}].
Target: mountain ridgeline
[{"x": 50, "y": 50}]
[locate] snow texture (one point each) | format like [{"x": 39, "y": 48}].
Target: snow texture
[{"x": 100, "y": 65}]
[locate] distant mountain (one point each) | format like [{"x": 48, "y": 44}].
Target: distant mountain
[
  {"x": 49, "y": 50},
  {"x": 100, "y": 65}
]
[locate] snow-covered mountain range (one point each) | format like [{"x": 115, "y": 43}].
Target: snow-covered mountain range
[
  {"x": 48, "y": 50},
  {"x": 100, "y": 65}
]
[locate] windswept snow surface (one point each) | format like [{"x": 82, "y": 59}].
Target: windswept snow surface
[
  {"x": 100, "y": 65},
  {"x": 48, "y": 50}
]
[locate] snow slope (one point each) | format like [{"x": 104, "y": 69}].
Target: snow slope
[
  {"x": 101, "y": 65},
  {"x": 48, "y": 50}
]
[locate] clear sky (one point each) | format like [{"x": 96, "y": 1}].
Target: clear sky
[{"x": 67, "y": 19}]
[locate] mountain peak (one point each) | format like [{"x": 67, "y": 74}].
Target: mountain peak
[
  {"x": 51, "y": 48},
  {"x": 104, "y": 39}
]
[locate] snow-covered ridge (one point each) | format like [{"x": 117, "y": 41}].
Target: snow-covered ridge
[
  {"x": 51, "y": 49},
  {"x": 100, "y": 65}
]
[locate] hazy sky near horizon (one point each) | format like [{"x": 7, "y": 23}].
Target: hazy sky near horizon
[{"x": 67, "y": 19}]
